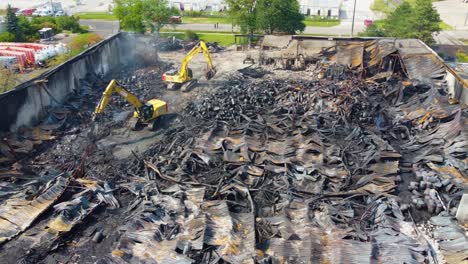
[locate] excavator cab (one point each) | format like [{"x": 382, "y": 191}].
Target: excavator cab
[
  {"x": 145, "y": 112},
  {"x": 172, "y": 74},
  {"x": 183, "y": 77}
]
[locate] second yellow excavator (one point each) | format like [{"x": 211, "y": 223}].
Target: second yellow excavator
[
  {"x": 183, "y": 77},
  {"x": 145, "y": 113}
]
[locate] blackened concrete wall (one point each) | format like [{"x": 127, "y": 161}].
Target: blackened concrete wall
[{"x": 26, "y": 104}]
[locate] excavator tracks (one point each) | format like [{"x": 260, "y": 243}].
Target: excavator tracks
[{"x": 187, "y": 87}]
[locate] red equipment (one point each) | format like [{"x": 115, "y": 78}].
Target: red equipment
[
  {"x": 28, "y": 12},
  {"x": 27, "y": 51},
  {"x": 34, "y": 46},
  {"x": 20, "y": 56},
  {"x": 24, "y": 52}
]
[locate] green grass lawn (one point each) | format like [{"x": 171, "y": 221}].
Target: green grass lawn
[
  {"x": 226, "y": 20},
  {"x": 222, "y": 39},
  {"x": 462, "y": 57},
  {"x": 188, "y": 20},
  {"x": 97, "y": 15},
  {"x": 445, "y": 26},
  {"x": 321, "y": 23},
  {"x": 381, "y": 6},
  {"x": 206, "y": 20},
  {"x": 169, "y": 28}
]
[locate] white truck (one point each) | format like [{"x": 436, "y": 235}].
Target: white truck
[
  {"x": 57, "y": 8},
  {"x": 50, "y": 9}
]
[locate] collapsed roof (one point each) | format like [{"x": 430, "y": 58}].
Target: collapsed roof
[{"x": 358, "y": 157}]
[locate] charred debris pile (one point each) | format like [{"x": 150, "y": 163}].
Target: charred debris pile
[
  {"x": 335, "y": 169},
  {"x": 303, "y": 171},
  {"x": 274, "y": 169}
]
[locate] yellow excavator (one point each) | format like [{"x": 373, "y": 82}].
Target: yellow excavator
[
  {"x": 183, "y": 77},
  {"x": 145, "y": 113}
]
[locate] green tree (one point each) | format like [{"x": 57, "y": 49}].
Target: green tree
[
  {"x": 129, "y": 13},
  {"x": 374, "y": 30},
  {"x": 190, "y": 35},
  {"x": 68, "y": 23},
  {"x": 139, "y": 15},
  {"x": 242, "y": 13},
  {"x": 156, "y": 14},
  {"x": 46, "y": 22},
  {"x": 279, "y": 16},
  {"x": 30, "y": 31},
  {"x": 12, "y": 25},
  {"x": 426, "y": 21},
  {"x": 7, "y": 37},
  {"x": 407, "y": 21},
  {"x": 399, "y": 22}
]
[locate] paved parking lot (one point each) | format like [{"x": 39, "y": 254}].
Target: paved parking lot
[
  {"x": 453, "y": 12},
  {"x": 363, "y": 10}
]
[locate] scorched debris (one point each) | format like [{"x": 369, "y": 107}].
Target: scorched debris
[{"x": 337, "y": 168}]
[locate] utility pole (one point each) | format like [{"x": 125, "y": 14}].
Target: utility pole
[
  {"x": 466, "y": 18},
  {"x": 354, "y": 14}
]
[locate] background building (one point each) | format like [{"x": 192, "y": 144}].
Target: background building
[
  {"x": 198, "y": 5},
  {"x": 323, "y": 8},
  {"x": 216, "y": 5}
]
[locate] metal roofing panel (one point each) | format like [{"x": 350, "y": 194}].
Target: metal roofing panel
[
  {"x": 424, "y": 67},
  {"x": 411, "y": 47},
  {"x": 313, "y": 47},
  {"x": 379, "y": 49},
  {"x": 350, "y": 53},
  {"x": 276, "y": 41}
]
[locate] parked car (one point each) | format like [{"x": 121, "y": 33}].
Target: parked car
[
  {"x": 19, "y": 12},
  {"x": 368, "y": 22},
  {"x": 59, "y": 13},
  {"x": 43, "y": 13},
  {"x": 175, "y": 20},
  {"x": 28, "y": 11}
]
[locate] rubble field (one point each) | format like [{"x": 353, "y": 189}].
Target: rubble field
[{"x": 328, "y": 164}]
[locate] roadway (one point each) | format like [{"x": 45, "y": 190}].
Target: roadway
[
  {"x": 104, "y": 28},
  {"x": 454, "y": 13},
  {"x": 450, "y": 37},
  {"x": 343, "y": 29}
]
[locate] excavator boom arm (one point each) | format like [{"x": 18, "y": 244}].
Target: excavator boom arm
[
  {"x": 200, "y": 47},
  {"x": 207, "y": 55},
  {"x": 106, "y": 96}
]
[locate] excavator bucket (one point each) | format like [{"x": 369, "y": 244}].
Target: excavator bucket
[
  {"x": 210, "y": 73},
  {"x": 96, "y": 131}
]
